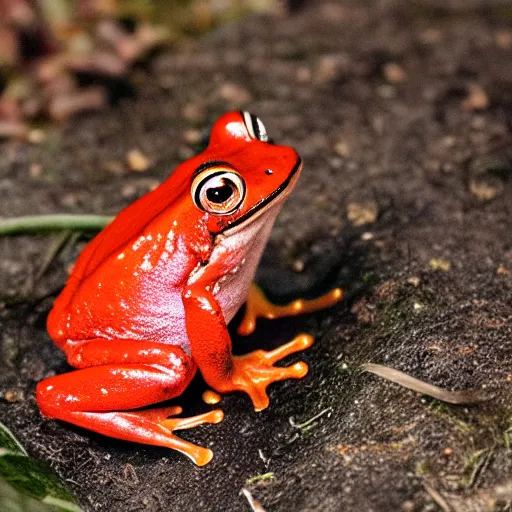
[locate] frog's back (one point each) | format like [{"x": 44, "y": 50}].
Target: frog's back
[
  {"x": 128, "y": 225},
  {"x": 127, "y": 282}
]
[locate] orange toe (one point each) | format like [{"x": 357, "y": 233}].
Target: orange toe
[
  {"x": 254, "y": 372},
  {"x": 258, "y": 306}
]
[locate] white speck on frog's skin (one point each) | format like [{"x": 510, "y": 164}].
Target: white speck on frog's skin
[
  {"x": 169, "y": 243},
  {"x": 204, "y": 303},
  {"x": 146, "y": 264},
  {"x": 165, "y": 369},
  {"x": 138, "y": 243}
]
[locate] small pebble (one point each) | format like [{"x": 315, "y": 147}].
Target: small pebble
[
  {"x": 485, "y": 190},
  {"x": 235, "y": 94},
  {"x": 394, "y": 73},
  {"x": 362, "y": 213},
  {"x": 414, "y": 281},
  {"x": 137, "y": 161},
  {"x": 298, "y": 265},
  {"x": 342, "y": 148},
  {"x": 439, "y": 264},
  {"x": 327, "y": 69},
  {"x": 303, "y": 74},
  {"x": 129, "y": 190},
  {"x": 193, "y": 112},
  {"x": 192, "y": 136},
  {"x": 69, "y": 200},
  {"x": 449, "y": 141},
  {"x": 477, "y": 99},
  {"x": 431, "y": 35},
  {"x": 35, "y": 171},
  {"x": 14, "y": 395},
  {"x": 478, "y": 122},
  {"x": 386, "y": 91},
  {"x": 503, "y": 39},
  {"x": 502, "y": 271},
  {"x": 36, "y": 136},
  {"x": 418, "y": 307},
  {"x": 408, "y": 506}
]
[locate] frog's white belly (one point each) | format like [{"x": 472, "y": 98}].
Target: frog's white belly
[{"x": 243, "y": 251}]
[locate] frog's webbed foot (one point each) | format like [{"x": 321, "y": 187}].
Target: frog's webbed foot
[
  {"x": 198, "y": 454},
  {"x": 153, "y": 426},
  {"x": 258, "y": 306},
  {"x": 253, "y": 372}
]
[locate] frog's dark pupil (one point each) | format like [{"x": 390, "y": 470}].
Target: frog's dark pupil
[{"x": 219, "y": 195}]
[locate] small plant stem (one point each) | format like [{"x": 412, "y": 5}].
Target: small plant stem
[{"x": 43, "y": 223}]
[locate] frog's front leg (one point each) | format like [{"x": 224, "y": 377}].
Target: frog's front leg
[
  {"x": 211, "y": 350},
  {"x": 258, "y": 306},
  {"x": 117, "y": 377}
]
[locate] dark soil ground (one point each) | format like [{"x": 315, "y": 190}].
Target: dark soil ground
[{"x": 402, "y": 113}]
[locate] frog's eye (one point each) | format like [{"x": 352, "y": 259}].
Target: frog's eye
[
  {"x": 255, "y": 127},
  {"x": 218, "y": 190}
]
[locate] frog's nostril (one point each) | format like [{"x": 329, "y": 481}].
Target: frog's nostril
[{"x": 269, "y": 172}]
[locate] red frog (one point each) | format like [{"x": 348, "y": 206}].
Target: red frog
[{"x": 150, "y": 297}]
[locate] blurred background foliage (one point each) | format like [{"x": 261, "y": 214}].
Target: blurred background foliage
[{"x": 60, "y": 57}]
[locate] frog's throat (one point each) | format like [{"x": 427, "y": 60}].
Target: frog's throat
[{"x": 279, "y": 194}]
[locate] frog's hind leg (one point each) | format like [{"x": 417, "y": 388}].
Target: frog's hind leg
[
  {"x": 102, "y": 397},
  {"x": 258, "y": 306}
]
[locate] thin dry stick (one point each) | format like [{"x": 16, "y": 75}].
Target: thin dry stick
[
  {"x": 438, "y": 498},
  {"x": 466, "y": 396}
]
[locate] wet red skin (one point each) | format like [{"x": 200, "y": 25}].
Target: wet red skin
[{"x": 136, "y": 322}]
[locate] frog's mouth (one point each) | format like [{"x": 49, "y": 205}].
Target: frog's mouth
[{"x": 278, "y": 195}]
